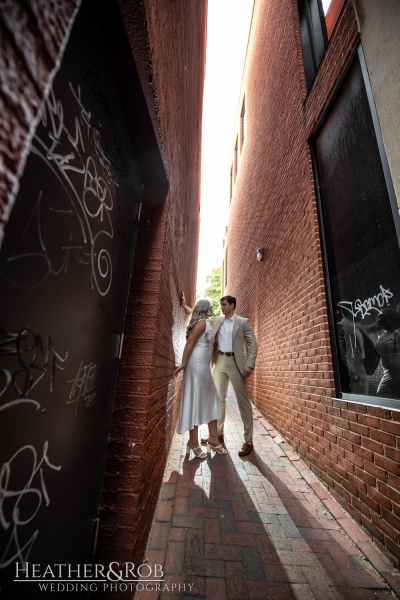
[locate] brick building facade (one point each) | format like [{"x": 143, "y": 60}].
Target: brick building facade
[
  {"x": 281, "y": 201},
  {"x": 153, "y": 59}
]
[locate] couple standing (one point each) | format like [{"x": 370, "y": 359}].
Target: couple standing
[{"x": 230, "y": 343}]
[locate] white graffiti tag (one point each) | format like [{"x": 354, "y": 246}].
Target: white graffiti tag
[
  {"x": 14, "y": 511},
  {"x": 84, "y": 385},
  {"x": 364, "y": 307}
]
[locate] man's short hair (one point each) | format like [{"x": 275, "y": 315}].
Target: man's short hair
[{"x": 230, "y": 300}]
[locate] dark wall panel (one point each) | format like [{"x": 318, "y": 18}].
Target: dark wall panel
[{"x": 64, "y": 275}]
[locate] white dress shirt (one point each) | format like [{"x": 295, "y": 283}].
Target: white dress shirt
[{"x": 225, "y": 335}]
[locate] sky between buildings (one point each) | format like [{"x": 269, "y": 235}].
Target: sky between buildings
[{"x": 227, "y": 35}]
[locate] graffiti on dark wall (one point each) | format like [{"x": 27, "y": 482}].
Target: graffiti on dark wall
[{"x": 64, "y": 270}]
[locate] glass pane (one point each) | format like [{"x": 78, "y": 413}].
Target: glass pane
[{"x": 362, "y": 246}]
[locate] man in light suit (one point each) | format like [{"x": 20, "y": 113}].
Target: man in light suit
[{"x": 235, "y": 352}]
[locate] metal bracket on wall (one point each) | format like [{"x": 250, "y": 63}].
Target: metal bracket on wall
[
  {"x": 119, "y": 340},
  {"x": 96, "y": 523}
]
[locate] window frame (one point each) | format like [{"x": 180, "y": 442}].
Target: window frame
[
  {"x": 313, "y": 34},
  {"x": 386, "y": 403}
]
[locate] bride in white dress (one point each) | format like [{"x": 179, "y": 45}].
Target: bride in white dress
[{"x": 199, "y": 400}]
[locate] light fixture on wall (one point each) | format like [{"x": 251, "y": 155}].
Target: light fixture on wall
[{"x": 260, "y": 253}]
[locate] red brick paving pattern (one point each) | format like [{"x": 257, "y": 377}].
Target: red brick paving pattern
[{"x": 262, "y": 527}]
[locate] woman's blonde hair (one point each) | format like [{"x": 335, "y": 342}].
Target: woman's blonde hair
[{"x": 199, "y": 313}]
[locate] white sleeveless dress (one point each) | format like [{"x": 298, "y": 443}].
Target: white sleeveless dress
[{"x": 199, "y": 400}]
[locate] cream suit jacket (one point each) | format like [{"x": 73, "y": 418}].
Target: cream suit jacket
[{"x": 243, "y": 341}]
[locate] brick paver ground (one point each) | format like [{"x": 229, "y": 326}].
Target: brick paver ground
[{"x": 261, "y": 527}]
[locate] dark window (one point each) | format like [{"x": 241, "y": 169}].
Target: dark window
[
  {"x": 313, "y": 36},
  {"x": 360, "y": 229}
]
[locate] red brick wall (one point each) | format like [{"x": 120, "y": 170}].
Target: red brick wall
[
  {"x": 146, "y": 403},
  {"x": 352, "y": 448},
  {"x": 33, "y": 35}
]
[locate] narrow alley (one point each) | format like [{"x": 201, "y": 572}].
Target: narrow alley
[
  {"x": 261, "y": 527},
  {"x": 156, "y": 155}
]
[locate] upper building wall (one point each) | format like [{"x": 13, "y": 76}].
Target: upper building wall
[{"x": 380, "y": 38}]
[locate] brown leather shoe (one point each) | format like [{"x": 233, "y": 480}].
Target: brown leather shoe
[
  {"x": 246, "y": 449},
  {"x": 220, "y": 437}
]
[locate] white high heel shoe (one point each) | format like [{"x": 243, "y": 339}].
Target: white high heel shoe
[
  {"x": 218, "y": 449},
  {"x": 201, "y": 455}
]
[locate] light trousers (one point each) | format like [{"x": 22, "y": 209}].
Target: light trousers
[{"x": 226, "y": 371}]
